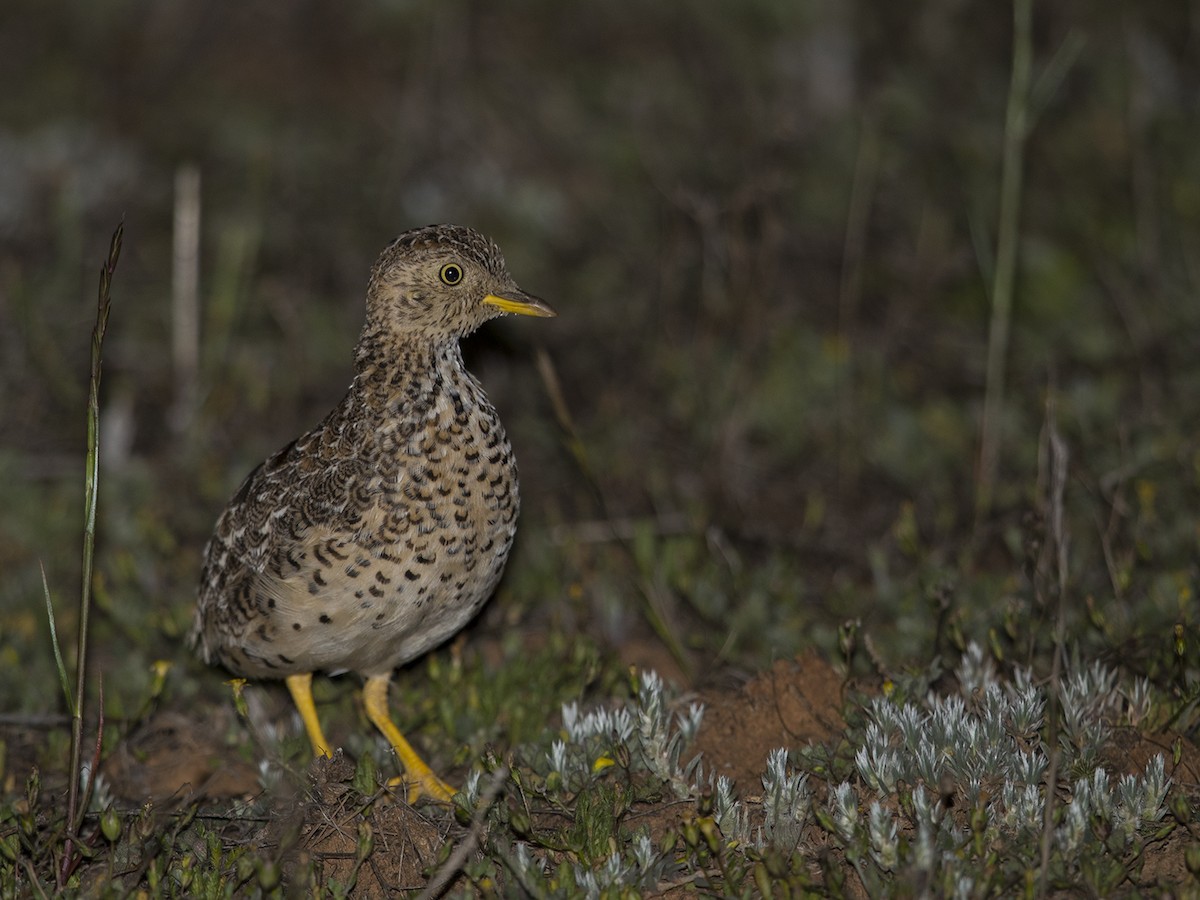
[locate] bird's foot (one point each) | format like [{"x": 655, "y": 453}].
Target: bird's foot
[{"x": 423, "y": 784}]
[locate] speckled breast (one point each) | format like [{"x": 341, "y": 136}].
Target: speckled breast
[{"x": 367, "y": 542}]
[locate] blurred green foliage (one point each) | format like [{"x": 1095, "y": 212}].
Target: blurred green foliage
[{"x": 780, "y": 410}]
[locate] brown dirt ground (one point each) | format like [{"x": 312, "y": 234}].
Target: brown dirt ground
[
  {"x": 792, "y": 704},
  {"x": 175, "y": 759}
]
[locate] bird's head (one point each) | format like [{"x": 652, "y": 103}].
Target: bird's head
[{"x": 442, "y": 282}]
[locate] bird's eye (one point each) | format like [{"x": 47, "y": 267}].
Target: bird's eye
[{"x": 451, "y": 274}]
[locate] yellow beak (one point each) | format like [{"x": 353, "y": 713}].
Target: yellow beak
[{"x": 521, "y": 304}]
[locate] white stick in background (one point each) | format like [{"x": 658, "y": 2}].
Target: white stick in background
[{"x": 185, "y": 306}]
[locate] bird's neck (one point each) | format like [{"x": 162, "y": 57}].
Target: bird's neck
[{"x": 388, "y": 364}]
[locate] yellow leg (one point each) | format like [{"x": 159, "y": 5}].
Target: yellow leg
[
  {"x": 421, "y": 780},
  {"x": 301, "y": 689}
]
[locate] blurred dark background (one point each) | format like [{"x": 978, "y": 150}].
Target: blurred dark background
[{"x": 769, "y": 230}]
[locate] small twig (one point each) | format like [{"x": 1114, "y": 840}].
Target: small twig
[
  {"x": 459, "y": 857},
  {"x": 665, "y": 887},
  {"x": 33, "y": 879},
  {"x": 34, "y": 720},
  {"x": 624, "y": 529},
  {"x": 854, "y": 243}
]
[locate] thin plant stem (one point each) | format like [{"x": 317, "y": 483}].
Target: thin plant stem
[
  {"x": 91, "y": 483},
  {"x": 655, "y": 606},
  {"x": 58, "y": 657},
  {"x": 1016, "y": 131},
  {"x": 854, "y": 244},
  {"x": 1056, "y": 461}
]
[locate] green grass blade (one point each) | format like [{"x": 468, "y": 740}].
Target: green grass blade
[
  {"x": 91, "y": 484},
  {"x": 58, "y": 659}
]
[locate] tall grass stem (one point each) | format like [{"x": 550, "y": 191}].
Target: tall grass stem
[
  {"x": 1016, "y": 130},
  {"x": 91, "y": 484}
]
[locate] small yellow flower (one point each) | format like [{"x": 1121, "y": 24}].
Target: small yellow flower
[{"x": 602, "y": 763}]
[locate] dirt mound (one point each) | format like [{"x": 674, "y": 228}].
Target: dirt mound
[
  {"x": 174, "y": 754},
  {"x": 792, "y": 704}
]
